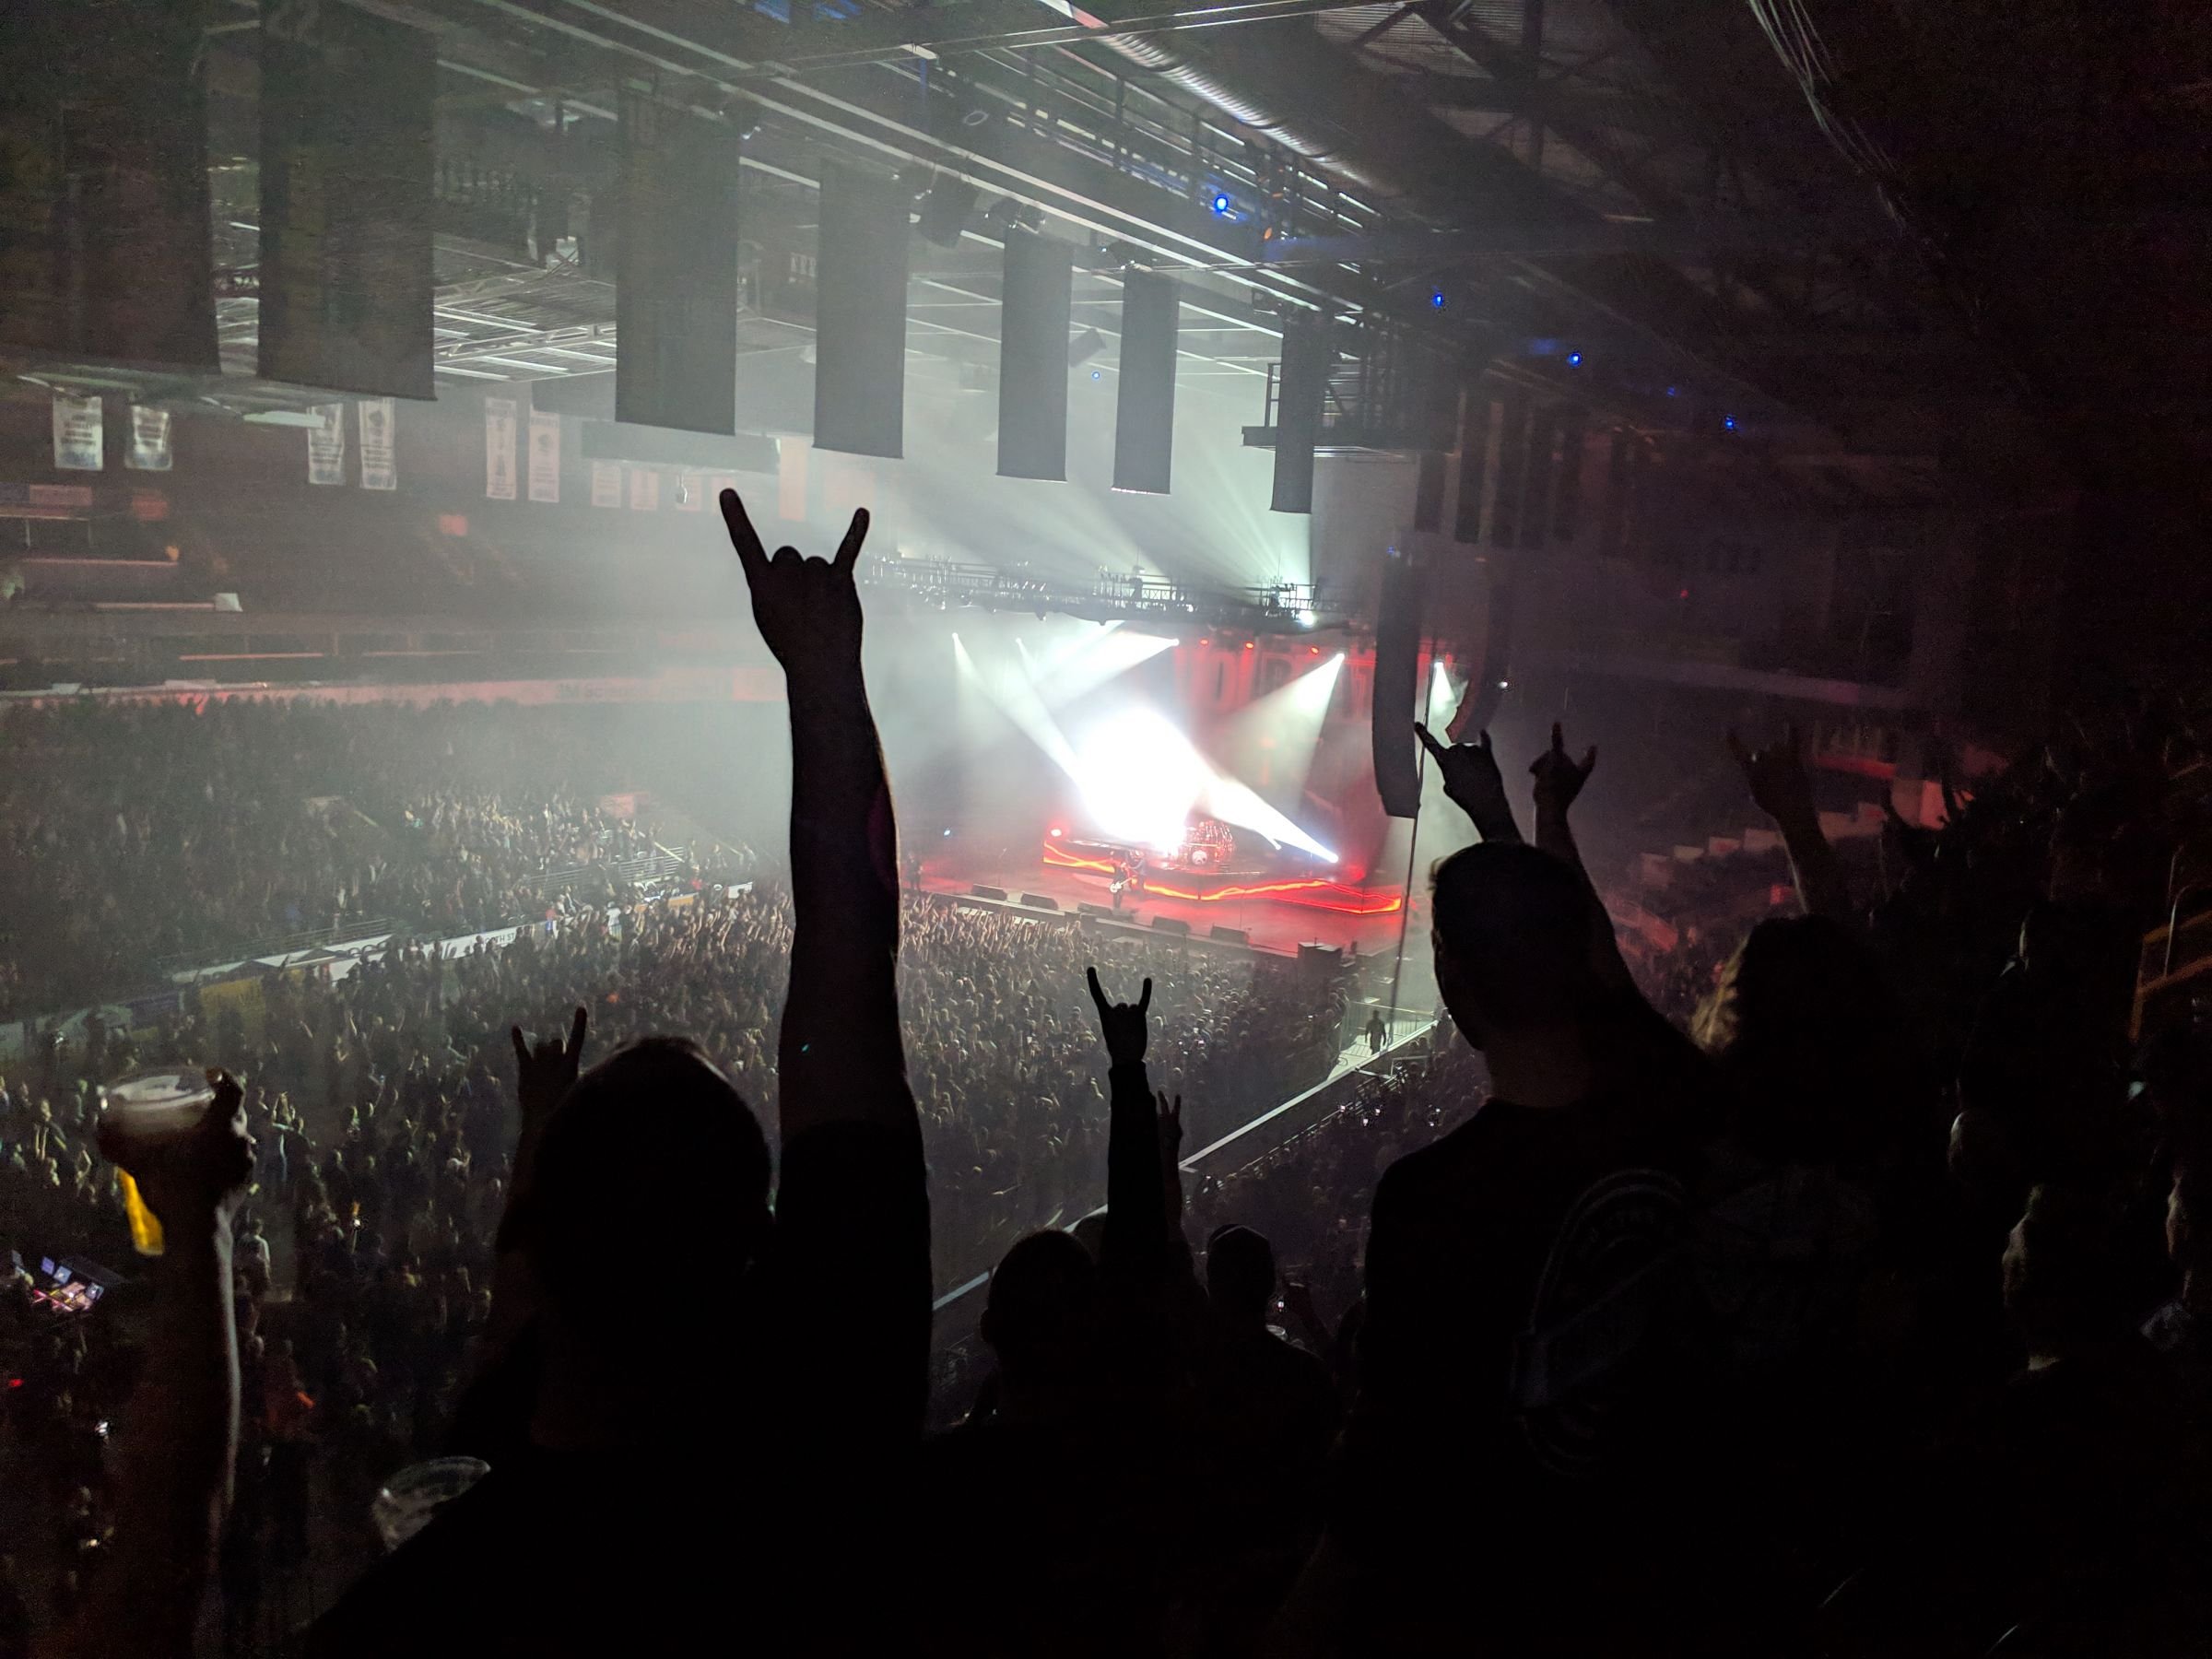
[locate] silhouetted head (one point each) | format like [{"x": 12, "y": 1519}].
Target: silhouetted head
[
  {"x": 2189, "y": 1221},
  {"x": 598, "y": 1201},
  {"x": 1985, "y": 1159},
  {"x": 1040, "y": 1316},
  {"x": 1090, "y": 1233},
  {"x": 1514, "y": 942},
  {"x": 2060, "y": 1269},
  {"x": 1804, "y": 1025},
  {"x": 1240, "y": 1275}
]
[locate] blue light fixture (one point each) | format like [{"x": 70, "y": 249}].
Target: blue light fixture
[
  {"x": 1436, "y": 300},
  {"x": 1221, "y": 205},
  {"x": 1674, "y": 391},
  {"x": 1728, "y": 421},
  {"x": 1574, "y": 360}
]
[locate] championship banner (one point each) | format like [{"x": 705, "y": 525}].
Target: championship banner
[
  {"x": 79, "y": 444},
  {"x": 644, "y": 489},
  {"x": 606, "y": 483},
  {"x": 150, "y": 440},
  {"x": 326, "y": 445},
  {"x": 499, "y": 447},
  {"x": 690, "y": 492},
  {"x": 545, "y": 455},
  {"x": 346, "y": 199},
  {"x": 105, "y": 245},
  {"x": 380, "y": 435}
]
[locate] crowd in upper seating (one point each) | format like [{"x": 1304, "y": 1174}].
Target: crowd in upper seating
[
  {"x": 1863, "y": 1313},
  {"x": 135, "y": 837}
]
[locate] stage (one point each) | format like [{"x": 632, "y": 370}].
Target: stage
[{"x": 1275, "y": 913}]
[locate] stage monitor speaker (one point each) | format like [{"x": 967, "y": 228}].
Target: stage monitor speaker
[
  {"x": 1144, "y": 415},
  {"x": 1032, "y": 358},
  {"x": 1040, "y": 901},
  {"x": 675, "y": 283},
  {"x": 860, "y": 315},
  {"x": 944, "y": 210},
  {"x": 980, "y": 891},
  {"x": 1104, "y": 912},
  {"x": 1398, "y": 686},
  {"x": 1228, "y": 935},
  {"x": 1320, "y": 955},
  {"x": 1172, "y": 924},
  {"x": 1301, "y": 390}
]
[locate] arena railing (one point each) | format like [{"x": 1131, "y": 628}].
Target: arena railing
[{"x": 956, "y": 1310}]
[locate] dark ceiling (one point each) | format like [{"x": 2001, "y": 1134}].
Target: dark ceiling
[{"x": 1886, "y": 239}]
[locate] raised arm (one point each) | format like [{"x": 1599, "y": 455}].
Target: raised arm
[
  {"x": 851, "y": 1192},
  {"x": 1560, "y": 778},
  {"x": 180, "y": 1438},
  {"x": 1473, "y": 783},
  {"x": 494, "y": 1411},
  {"x": 1133, "y": 1252},
  {"x": 1783, "y": 791},
  {"x": 839, "y": 1057}
]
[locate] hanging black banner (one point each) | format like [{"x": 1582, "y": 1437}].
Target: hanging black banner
[
  {"x": 347, "y": 149},
  {"x": 676, "y": 282},
  {"x": 104, "y": 244}
]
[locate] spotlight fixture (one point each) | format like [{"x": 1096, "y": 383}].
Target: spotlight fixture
[
  {"x": 1436, "y": 300},
  {"x": 1222, "y": 204},
  {"x": 1574, "y": 360}
]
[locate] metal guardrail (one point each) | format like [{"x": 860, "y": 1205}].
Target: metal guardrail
[
  {"x": 953, "y": 1314},
  {"x": 291, "y": 944}
]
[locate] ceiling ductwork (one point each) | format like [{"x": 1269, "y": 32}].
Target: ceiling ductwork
[
  {"x": 1328, "y": 152},
  {"x": 1352, "y": 124}
]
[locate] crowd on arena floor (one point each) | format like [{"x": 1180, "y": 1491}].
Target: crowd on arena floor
[{"x": 1865, "y": 1314}]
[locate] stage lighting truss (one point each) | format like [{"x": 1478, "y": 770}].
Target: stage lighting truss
[{"x": 1287, "y": 607}]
